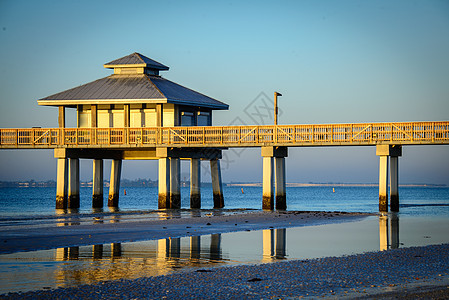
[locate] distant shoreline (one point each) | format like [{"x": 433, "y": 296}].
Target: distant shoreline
[
  {"x": 126, "y": 183},
  {"x": 293, "y": 184}
]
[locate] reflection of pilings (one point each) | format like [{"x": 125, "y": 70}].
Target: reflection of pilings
[
  {"x": 195, "y": 247},
  {"x": 267, "y": 244},
  {"x": 116, "y": 250},
  {"x": 280, "y": 242},
  {"x": 383, "y": 232},
  {"x": 274, "y": 243},
  {"x": 162, "y": 248},
  {"x": 394, "y": 230},
  {"x": 175, "y": 248},
  {"x": 97, "y": 251},
  {"x": 70, "y": 253},
  {"x": 388, "y": 231},
  {"x": 215, "y": 246},
  {"x": 169, "y": 248}
]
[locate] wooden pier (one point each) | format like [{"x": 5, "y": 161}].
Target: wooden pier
[{"x": 137, "y": 114}]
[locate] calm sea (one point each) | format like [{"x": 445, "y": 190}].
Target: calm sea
[
  {"x": 418, "y": 201},
  {"x": 423, "y": 219}
]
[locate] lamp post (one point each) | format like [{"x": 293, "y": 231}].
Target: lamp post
[{"x": 276, "y": 94}]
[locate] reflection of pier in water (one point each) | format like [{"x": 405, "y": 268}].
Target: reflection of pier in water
[
  {"x": 161, "y": 257},
  {"x": 388, "y": 231}
]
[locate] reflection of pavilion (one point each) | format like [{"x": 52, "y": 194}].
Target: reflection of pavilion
[
  {"x": 274, "y": 242},
  {"x": 388, "y": 231}
]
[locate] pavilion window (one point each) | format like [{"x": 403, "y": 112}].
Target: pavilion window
[
  {"x": 204, "y": 119},
  {"x": 187, "y": 118}
]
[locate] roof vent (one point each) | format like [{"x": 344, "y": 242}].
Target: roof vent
[{"x": 136, "y": 63}]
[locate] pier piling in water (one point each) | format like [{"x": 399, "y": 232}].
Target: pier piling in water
[
  {"x": 175, "y": 178},
  {"x": 61, "y": 184},
  {"x": 217, "y": 185},
  {"x": 195, "y": 183},
  {"x": 97, "y": 183},
  {"x": 386, "y": 153},
  {"x": 73, "y": 197},
  {"x": 267, "y": 185},
  {"x": 164, "y": 183},
  {"x": 114, "y": 183},
  {"x": 277, "y": 154}
]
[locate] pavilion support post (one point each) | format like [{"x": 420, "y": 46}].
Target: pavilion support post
[
  {"x": 267, "y": 185},
  {"x": 114, "y": 183},
  {"x": 217, "y": 185},
  {"x": 195, "y": 183},
  {"x": 73, "y": 198},
  {"x": 164, "y": 183},
  {"x": 175, "y": 178},
  {"x": 61, "y": 184},
  {"x": 97, "y": 183},
  {"x": 61, "y": 117}
]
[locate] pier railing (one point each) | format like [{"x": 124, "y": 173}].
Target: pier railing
[{"x": 405, "y": 133}]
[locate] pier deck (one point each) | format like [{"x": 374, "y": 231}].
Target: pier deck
[{"x": 355, "y": 134}]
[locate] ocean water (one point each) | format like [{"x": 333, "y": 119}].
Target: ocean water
[
  {"x": 414, "y": 201},
  {"x": 423, "y": 219}
]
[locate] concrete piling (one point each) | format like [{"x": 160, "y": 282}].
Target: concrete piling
[
  {"x": 97, "y": 184},
  {"x": 388, "y": 153},
  {"x": 217, "y": 186},
  {"x": 175, "y": 178},
  {"x": 195, "y": 183},
  {"x": 73, "y": 197},
  {"x": 383, "y": 183},
  {"x": 394, "y": 192},
  {"x": 164, "y": 183},
  {"x": 114, "y": 183},
  {"x": 61, "y": 184},
  {"x": 279, "y": 183},
  {"x": 274, "y": 172},
  {"x": 267, "y": 185}
]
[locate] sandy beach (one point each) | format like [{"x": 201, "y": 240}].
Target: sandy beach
[{"x": 399, "y": 273}]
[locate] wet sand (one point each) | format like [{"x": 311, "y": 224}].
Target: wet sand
[
  {"x": 169, "y": 224},
  {"x": 407, "y": 273}
]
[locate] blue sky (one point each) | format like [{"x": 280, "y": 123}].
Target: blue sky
[{"x": 333, "y": 61}]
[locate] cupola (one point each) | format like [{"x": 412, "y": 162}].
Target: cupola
[{"x": 135, "y": 63}]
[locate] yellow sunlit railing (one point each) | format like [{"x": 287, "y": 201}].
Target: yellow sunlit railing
[{"x": 406, "y": 133}]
